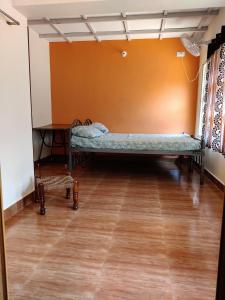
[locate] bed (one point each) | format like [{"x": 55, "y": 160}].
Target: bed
[{"x": 149, "y": 144}]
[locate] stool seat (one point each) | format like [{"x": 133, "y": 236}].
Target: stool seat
[
  {"x": 47, "y": 183},
  {"x": 58, "y": 181}
]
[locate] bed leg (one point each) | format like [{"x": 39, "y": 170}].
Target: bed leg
[
  {"x": 202, "y": 170},
  {"x": 180, "y": 160},
  {"x": 190, "y": 164}
]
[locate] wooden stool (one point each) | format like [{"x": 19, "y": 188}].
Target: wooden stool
[{"x": 45, "y": 183}]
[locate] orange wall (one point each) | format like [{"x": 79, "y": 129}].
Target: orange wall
[{"x": 145, "y": 92}]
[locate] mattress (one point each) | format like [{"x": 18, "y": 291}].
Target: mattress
[{"x": 138, "y": 142}]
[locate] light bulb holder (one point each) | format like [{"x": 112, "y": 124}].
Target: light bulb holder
[{"x": 124, "y": 53}]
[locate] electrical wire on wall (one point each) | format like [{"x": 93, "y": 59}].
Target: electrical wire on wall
[{"x": 186, "y": 73}]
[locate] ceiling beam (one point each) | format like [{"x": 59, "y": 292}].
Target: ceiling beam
[
  {"x": 204, "y": 18},
  {"x": 58, "y": 31},
  {"x": 111, "y": 33},
  {"x": 198, "y": 35},
  {"x": 183, "y": 14},
  {"x": 11, "y": 20},
  {"x": 162, "y": 26},
  {"x": 90, "y": 28},
  {"x": 125, "y": 25}
]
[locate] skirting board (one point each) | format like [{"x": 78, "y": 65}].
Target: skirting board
[
  {"x": 218, "y": 183},
  {"x": 18, "y": 206},
  {"x": 212, "y": 177}
]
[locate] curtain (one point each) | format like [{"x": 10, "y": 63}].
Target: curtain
[{"x": 214, "y": 102}]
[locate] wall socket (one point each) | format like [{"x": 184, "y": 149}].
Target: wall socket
[{"x": 180, "y": 53}]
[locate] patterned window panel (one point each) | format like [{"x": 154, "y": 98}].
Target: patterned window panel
[{"x": 214, "y": 102}]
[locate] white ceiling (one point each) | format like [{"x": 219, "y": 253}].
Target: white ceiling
[
  {"x": 38, "y": 9},
  {"x": 71, "y": 8}
]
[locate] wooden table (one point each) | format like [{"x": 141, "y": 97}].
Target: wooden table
[{"x": 61, "y": 129}]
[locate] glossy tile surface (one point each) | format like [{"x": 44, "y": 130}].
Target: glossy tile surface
[{"x": 145, "y": 230}]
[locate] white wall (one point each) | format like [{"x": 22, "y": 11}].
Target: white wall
[
  {"x": 215, "y": 162},
  {"x": 16, "y": 153},
  {"x": 40, "y": 87}
]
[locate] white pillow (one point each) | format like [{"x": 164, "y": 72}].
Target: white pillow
[
  {"x": 100, "y": 127},
  {"x": 87, "y": 131}
]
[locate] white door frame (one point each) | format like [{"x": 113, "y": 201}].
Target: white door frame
[{"x": 3, "y": 275}]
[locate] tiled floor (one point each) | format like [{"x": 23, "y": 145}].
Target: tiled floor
[{"x": 144, "y": 230}]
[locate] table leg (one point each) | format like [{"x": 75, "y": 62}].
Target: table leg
[
  {"x": 70, "y": 160},
  {"x": 42, "y": 143},
  {"x": 67, "y": 193},
  {"x": 53, "y": 141},
  {"x": 64, "y": 143}
]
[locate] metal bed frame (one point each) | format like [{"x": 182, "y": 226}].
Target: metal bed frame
[{"x": 193, "y": 155}]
